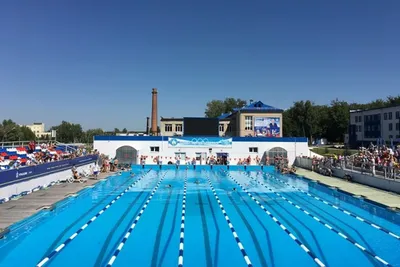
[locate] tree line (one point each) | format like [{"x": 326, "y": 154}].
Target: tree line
[
  {"x": 66, "y": 132},
  {"x": 305, "y": 118}
]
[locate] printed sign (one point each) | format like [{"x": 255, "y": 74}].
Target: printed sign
[
  {"x": 26, "y": 173},
  {"x": 267, "y": 127},
  {"x": 200, "y": 142}
]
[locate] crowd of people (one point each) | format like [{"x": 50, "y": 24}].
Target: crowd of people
[
  {"x": 373, "y": 160},
  {"x": 35, "y": 154}
]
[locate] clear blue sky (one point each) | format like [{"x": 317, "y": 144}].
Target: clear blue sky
[{"x": 95, "y": 62}]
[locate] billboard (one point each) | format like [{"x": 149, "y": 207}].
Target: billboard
[
  {"x": 200, "y": 142},
  {"x": 267, "y": 127},
  {"x": 200, "y": 127}
]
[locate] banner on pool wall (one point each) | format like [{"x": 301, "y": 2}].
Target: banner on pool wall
[
  {"x": 8, "y": 177},
  {"x": 199, "y": 142},
  {"x": 267, "y": 127}
]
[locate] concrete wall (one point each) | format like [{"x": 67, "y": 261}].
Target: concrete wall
[
  {"x": 373, "y": 181},
  {"x": 42, "y": 181},
  {"x": 239, "y": 149}
]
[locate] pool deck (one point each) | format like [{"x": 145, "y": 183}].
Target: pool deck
[
  {"x": 385, "y": 198},
  {"x": 19, "y": 209}
]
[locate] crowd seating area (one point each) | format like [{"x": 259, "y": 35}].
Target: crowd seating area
[
  {"x": 15, "y": 157},
  {"x": 377, "y": 161}
]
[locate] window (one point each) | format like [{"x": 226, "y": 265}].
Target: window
[
  {"x": 390, "y": 126},
  {"x": 168, "y": 127},
  {"x": 390, "y": 115},
  {"x": 356, "y": 119},
  {"x": 221, "y": 127},
  {"x": 155, "y": 149},
  {"x": 385, "y": 116},
  {"x": 397, "y": 126},
  {"x": 253, "y": 149},
  {"x": 397, "y": 136},
  {"x": 397, "y": 114},
  {"x": 359, "y": 118},
  {"x": 198, "y": 156},
  {"x": 229, "y": 128},
  {"x": 359, "y": 128},
  {"x": 178, "y": 128},
  {"x": 248, "y": 123}
]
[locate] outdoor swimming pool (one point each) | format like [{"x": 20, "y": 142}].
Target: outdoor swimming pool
[{"x": 207, "y": 218}]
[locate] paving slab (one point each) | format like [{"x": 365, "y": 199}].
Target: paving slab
[
  {"x": 389, "y": 199},
  {"x": 16, "y": 210}
]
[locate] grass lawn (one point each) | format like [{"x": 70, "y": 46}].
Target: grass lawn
[{"x": 329, "y": 150}]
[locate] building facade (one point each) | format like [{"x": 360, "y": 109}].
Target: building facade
[
  {"x": 38, "y": 129},
  {"x": 255, "y": 119},
  {"x": 370, "y": 125},
  {"x": 130, "y": 149}
]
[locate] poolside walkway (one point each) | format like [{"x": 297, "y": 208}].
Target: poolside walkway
[
  {"x": 389, "y": 199},
  {"x": 19, "y": 209}
]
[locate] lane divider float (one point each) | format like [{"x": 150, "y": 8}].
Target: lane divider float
[
  {"x": 235, "y": 235},
  {"x": 292, "y": 236},
  {"x": 339, "y": 208},
  {"x": 357, "y": 245},
  {"x": 182, "y": 231},
  {"x": 138, "y": 216},
  {"x": 83, "y": 227}
]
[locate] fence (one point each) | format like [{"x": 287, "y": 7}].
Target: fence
[{"x": 376, "y": 176}]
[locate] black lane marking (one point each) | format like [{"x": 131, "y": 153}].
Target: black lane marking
[
  {"x": 265, "y": 229},
  {"x": 62, "y": 234},
  {"x": 205, "y": 231},
  {"x": 116, "y": 225},
  {"x": 295, "y": 229},
  {"x": 324, "y": 216},
  {"x": 216, "y": 249},
  {"x": 256, "y": 243},
  {"x": 157, "y": 242},
  {"x": 164, "y": 252}
]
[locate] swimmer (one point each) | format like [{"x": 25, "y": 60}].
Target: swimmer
[
  {"x": 234, "y": 189},
  {"x": 197, "y": 182},
  {"x": 119, "y": 173},
  {"x": 168, "y": 186},
  {"x": 132, "y": 174}
]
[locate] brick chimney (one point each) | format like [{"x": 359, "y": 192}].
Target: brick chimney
[{"x": 154, "y": 109}]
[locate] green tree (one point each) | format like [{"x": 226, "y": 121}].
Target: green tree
[
  {"x": 26, "y": 134},
  {"x": 89, "y": 134},
  {"x": 338, "y": 122},
  {"x": 9, "y": 131},
  {"x": 116, "y": 130},
  {"x": 68, "y": 132},
  {"x": 216, "y": 108},
  {"x": 124, "y": 130}
]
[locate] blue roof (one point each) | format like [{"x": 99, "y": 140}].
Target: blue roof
[
  {"x": 259, "y": 106},
  {"x": 224, "y": 116}
]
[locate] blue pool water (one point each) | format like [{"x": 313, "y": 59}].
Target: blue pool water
[{"x": 206, "y": 218}]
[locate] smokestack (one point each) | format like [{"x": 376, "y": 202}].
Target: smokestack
[
  {"x": 154, "y": 112},
  {"x": 147, "y": 125}
]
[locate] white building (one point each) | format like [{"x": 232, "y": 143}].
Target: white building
[
  {"x": 38, "y": 129},
  {"x": 370, "y": 125},
  {"x": 129, "y": 149}
]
